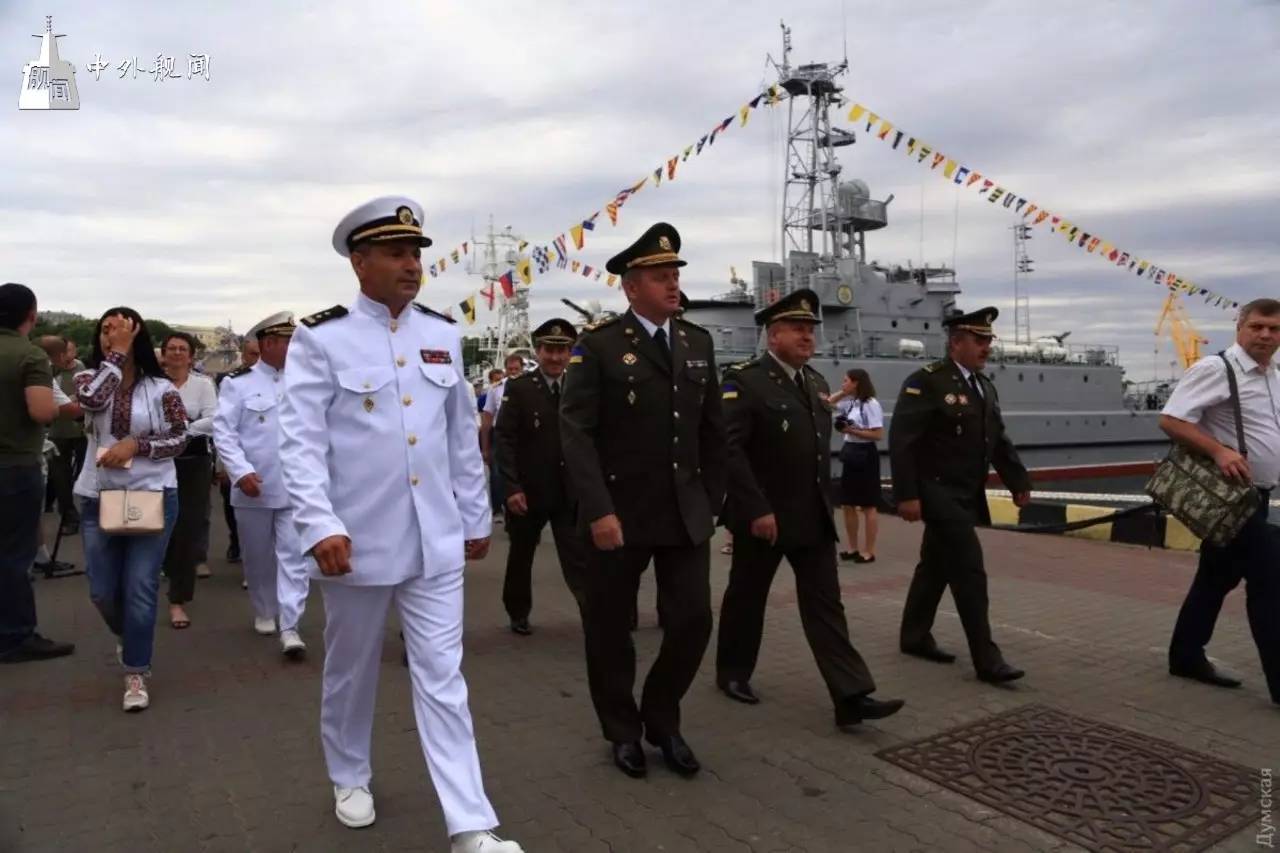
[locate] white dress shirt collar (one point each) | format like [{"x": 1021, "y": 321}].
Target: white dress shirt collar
[
  {"x": 377, "y": 310},
  {"x": 787, "y": 369},
  {"x": 652, "y": 327}
]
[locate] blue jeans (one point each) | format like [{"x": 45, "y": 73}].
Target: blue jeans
[
  {"x": 124, "y": 576},
  {"x": 21, "y": 498}
]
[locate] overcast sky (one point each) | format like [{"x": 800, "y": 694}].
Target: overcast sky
[{"x": 1152, "y": 124}]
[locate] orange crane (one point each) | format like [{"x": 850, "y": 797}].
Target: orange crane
[{"x": 1175, "y": 322}]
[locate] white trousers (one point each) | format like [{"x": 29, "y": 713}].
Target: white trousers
[
  {"x": 274, "y": 567},
  {"x": 431, "y": 617}
]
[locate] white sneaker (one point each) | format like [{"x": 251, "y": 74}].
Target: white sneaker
[
  {"x": 482, "y": 842},
  {"x": 136, "y": 697},
  {"x": 291, "y": 644},
  {"x": 353, "y": 806},
  {"x": 266, "y": 627}
]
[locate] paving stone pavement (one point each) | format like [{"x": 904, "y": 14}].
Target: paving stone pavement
[{"x": 228, "y": 757}]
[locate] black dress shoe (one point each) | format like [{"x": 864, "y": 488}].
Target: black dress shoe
[
  {"x": 853, "y": 711},
  {"x": 1204, "y": 672},
  {"x": 677, "y": 754},
  {"x": 233, "y": 554},
  {"x": 36, "y": 647},
  {"x": 858, "y": 558},
  {"x": 1002, "y": 674},
  {"x": 629, "y": 757},
  {"x": 930, "y": 652},
  {"x": 739, "y": 691},
  {"x": 521, "y": 627}
]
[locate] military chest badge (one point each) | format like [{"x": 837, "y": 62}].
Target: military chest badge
[
  {"x": 964, "y": 401},
  {"x": 436, "y": 356},
  {"x": 368, "y": 404},
  {"x": 629, "y": 358},
  {"x": 262, "y": 419},
  {"x": 950, "y": 399}
]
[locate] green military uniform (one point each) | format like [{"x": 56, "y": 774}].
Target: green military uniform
[
  {"x": 945, "y": 433},
  {"x": 643, "y": 439},
  {"x": 527, "y": 445},
  {"x": 779, "y": 463}
]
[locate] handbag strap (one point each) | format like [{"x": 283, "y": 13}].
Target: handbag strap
[{"x": 1235, "y": 403}]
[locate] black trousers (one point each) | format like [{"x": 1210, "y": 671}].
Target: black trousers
[
  {"x": 684, "y": 590},
  {"x": 525, "y": 532},
  {"x": 751, "y": 573},
  {"x": 229, "y": 513},
  {"x": 21, "y": 499},
  {"x": 195, "y": 476},
  {"x": 950, "y": 555},
  {"x": 1254, "y": 556},
  {"x": 63, "y": 470}
]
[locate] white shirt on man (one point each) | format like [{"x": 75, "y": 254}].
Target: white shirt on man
[
  {"x": 1202, "y": 396},
  {"x": 246, "y": 432}
]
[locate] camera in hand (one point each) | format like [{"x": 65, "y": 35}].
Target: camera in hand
[{"x": 841, "y": 423}]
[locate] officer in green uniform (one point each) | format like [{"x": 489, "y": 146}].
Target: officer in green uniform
[
  {"x": 946, "y": 431},
  {"x": 644, "y": 445},
  {"x": 779, "y": 505},
  {"x": 527, "y": 436}
]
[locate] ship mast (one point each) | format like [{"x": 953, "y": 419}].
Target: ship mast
[
  {"x": 495, "y": 255},
  {"x": 811, "y": 173}
]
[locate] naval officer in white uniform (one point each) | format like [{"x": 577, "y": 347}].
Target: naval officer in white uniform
[
  {"x": 383, "y": 469},
  {"x": 246, "y": 432}
]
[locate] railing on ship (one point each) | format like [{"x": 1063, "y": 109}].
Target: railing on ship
[{"x": 737, "y": 343}]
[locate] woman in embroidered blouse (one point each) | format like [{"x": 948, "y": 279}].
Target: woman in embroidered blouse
[
  {"x": 136, "y": 425},
  {"x": 195, "y": 475},
  {"x": 861, "y": 419}
]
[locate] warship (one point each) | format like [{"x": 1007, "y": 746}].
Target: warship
[{"x": 1066, "y": 405}]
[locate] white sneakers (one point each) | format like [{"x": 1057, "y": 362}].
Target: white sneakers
[
  {"x": 353, "y": 806},
  {"x": 291, "y": 644},
  {"x": 482, "y": 842},
  {"x": 136, "y": 697},
  {"x": 266, "y": 627}
]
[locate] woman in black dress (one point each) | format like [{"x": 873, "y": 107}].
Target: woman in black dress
[{"x": 861, "y": 419}]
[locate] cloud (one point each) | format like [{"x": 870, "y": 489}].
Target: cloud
[{"x": 204, "y": 202}]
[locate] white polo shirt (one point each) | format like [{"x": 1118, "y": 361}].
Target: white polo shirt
[{"x": 1202, "y": 396}]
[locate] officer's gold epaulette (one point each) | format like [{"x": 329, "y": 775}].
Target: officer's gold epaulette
[
  {"x": 313, "y": 320},
  {"x": 934, "y": 366},
  {"x": 600, "y": 324},
  {"x": 425, "y": 310},
  {"x": 239, "y": 371}
]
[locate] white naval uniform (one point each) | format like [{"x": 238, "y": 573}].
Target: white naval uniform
[
  {"x": 378, "y": 441},
  {"x": 246, "y": 432}
]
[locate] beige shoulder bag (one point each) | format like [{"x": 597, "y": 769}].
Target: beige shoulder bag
[{"x": 132, "y": 512}]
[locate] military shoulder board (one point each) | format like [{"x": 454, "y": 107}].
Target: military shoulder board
[
  {"x": 600, "y": 324},
  {"x": 425, "y": 310},
  {"x": 324, "y": 316},
  {"x": 933, "y": 366},
  {"x": 239, "y": 371}
]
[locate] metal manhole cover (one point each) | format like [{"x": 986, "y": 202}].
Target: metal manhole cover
[{"x": 1096, "y": 785}]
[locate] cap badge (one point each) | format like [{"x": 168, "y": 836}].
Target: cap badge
[
  {"x": 555, "y": 330},
  {"x": 665, "y": 244},
  {"x": 405, "y": 215},
  {"x": 804, "y": 303},
  {"x": 629, "y": 358}
]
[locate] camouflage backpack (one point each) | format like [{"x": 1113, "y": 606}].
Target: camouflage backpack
[{"x": 1190, "y": 486}]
